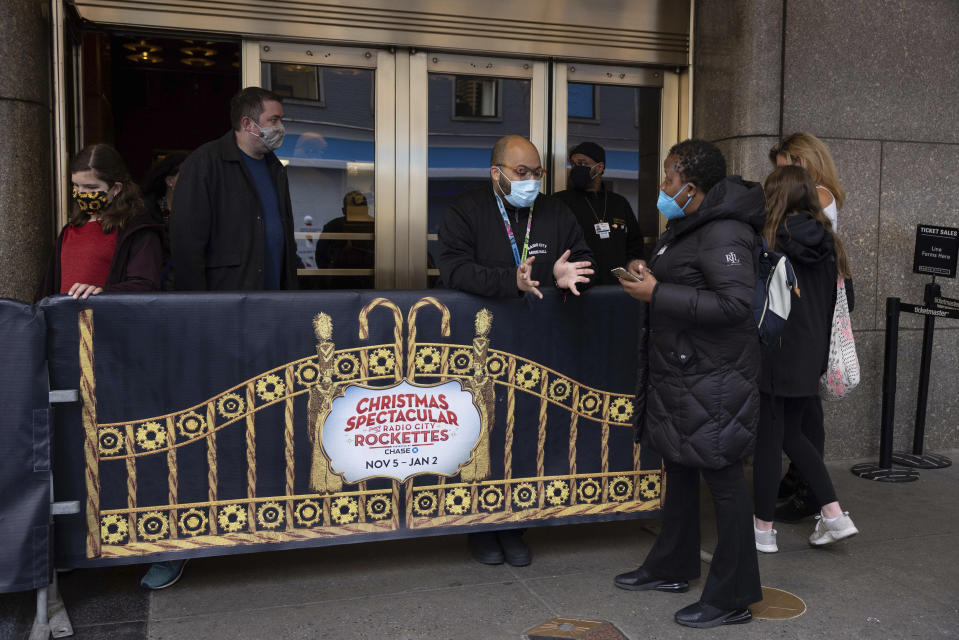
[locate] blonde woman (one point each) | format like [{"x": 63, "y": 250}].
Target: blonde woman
[{"x": 809, "y": 152}]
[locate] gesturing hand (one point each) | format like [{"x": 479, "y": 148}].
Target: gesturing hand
[
  {"x": 567, "y": 274},
  {"x": 524, "y": 278}
]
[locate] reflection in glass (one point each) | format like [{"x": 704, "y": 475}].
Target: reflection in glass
[
  {"x": 329, "y": 154},
  {"x": 459, "y": 150},
  {"x": 476, "y": 97},
  {"x": 626, "y": 124},
  {"x": 297, "y": 81},
  {"x": 582, "y": 101}
]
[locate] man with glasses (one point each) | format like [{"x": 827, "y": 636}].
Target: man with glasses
[
  {"x": 507, "y": 238},
  {"x": 608, "y": 222},
  {"x": 503, "y": 240}
]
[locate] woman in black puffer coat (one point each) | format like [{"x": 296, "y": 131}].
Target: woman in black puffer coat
[
  {"x": 697, "y": 389},
  {"x": 792, "y": 366}
]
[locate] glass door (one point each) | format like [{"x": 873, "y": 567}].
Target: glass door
[
  {"x": 339, "y": 117},
  {"x": 622, "y": 109}
]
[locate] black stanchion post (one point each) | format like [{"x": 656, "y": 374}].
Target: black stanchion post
[
  {"x": 925, "y": 362},
  {"x": 883, "y": 472},
  {"x": 917, "y": 459},
  {"x": 889, "y": 371}
]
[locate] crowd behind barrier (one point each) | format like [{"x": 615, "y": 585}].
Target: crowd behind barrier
[{"x": 197, "y": 430}]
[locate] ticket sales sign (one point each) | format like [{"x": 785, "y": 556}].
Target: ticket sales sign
[
  {"x": 937, "y": 249},
  {"x": 400, "y": 431}
]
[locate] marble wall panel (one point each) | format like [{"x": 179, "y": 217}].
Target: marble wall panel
[
  {"x": 858, "y": 164},
  {"x": 920, "y": 184},
  {"x": 25, "y": 235},
  {"x": 748, "y": 156},
  {"x": 737, "y": 64},
  {"x": 24, "y": 49},
  {"x": 867, "y": 69},
  {"x": 853, "y": 424}
]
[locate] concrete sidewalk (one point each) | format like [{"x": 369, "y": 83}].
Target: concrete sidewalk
[{"x": 898, "y": 579}]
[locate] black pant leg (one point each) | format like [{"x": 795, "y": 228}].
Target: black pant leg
[
  {"x": 767, "y": 457},
  {"x": 813, "y": 423},
  {"x": 675, "y": 553},
  {"x": 803, "y": 452},
  {"x": 733, "y": 580}
]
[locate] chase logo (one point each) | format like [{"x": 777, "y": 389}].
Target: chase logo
[{"x": 732, "y": 258}]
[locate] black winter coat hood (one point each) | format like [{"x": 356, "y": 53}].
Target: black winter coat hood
[
  {"x": 804, "y": 240},
  {"x": 698, "y": 396}
]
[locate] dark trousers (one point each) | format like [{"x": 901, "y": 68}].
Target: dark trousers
[
  {"x": 814, "y": 428},
  {"x": 813, "y": 424},
  {"x": 781, "y": 429},
  {"x": 733, "y": 580}
]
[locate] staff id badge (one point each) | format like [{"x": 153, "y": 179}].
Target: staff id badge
[{"x": 602, "y": 229}]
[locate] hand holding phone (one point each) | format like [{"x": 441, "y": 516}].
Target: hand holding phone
[{"x": 623, "y": 274}]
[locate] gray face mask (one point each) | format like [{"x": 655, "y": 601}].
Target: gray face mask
[{"x": 272, "y": 137}]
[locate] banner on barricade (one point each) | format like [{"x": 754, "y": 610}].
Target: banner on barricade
[{"x": 229, "y": 423}]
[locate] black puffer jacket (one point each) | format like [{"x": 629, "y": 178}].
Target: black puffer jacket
[
  {"x": 793, "y": 364},
  {"x": 699, "y": 358}
]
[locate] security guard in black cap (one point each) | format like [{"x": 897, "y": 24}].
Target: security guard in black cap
[{"x": 608, "y": 221}]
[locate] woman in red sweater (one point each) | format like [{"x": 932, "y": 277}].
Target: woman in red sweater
[{"x": 110, "y": 243}]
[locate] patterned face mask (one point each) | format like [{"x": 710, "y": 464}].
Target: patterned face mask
[{"x": 91, "y": 202}]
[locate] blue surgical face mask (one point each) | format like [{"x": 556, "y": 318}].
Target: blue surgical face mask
[
  {"x": 668, "y": 207},
  {"x": 522, "y": 193}
]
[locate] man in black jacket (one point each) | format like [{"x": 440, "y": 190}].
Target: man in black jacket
[
  {"x": 608, "y": 222},
  {"x": 232, "y": 225},
  {"x": 490, "y": 246}
]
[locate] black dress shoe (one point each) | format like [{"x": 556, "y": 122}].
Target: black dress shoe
[
  {"x": 515, "y": 551},
  {"x": 641, "y": 580},
  {"x": 484, "y": 547},
  {"x": 703, "y": 616}
]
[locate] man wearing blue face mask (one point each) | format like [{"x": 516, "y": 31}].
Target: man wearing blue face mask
[
  {"x": 506, "y": 239},
  {"x": 503, "y": 240}
]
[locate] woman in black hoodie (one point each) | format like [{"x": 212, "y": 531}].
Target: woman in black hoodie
[
  {"x": 796, "y": 225},
  {"x": 697, "y": 393}
]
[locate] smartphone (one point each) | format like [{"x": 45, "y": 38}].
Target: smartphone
[{"x": 622, "y": 274}]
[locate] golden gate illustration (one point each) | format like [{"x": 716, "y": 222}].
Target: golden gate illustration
[{"x": 469, "y": 497}]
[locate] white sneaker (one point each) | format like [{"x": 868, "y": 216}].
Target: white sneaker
[
  {"x": 829, "y": 532},
  {"x": 766, "y": 541}
]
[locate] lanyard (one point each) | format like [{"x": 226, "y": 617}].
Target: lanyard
[
  {"x": 509, "y": 231},
  {"x": 588, "y": 204}
]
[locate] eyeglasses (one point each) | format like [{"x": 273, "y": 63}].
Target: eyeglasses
[
  {"x": 582, "y": 163},
  {"x": 525, "y": 172}
]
